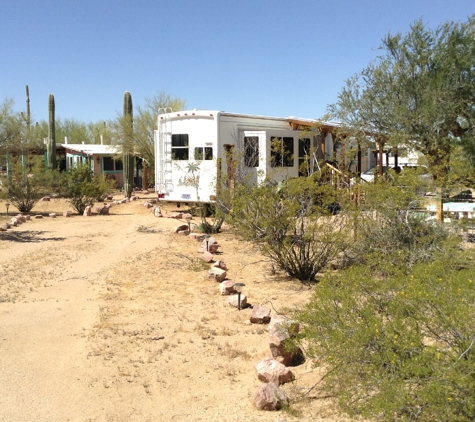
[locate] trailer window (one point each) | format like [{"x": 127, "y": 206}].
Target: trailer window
[
  {"x": 180, "y": 146},
  {"x": 251, "y": 151},
  {"x": 205, "y": 153},
  {"x": 282, "y": 151}
]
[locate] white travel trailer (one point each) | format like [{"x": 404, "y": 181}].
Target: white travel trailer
[{"x": 194, "y": 149}]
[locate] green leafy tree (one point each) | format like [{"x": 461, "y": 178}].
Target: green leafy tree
[
  {"x": 419, "y": 93},
  {"x": 145, "y": 123},
  {"x": 11, "y": 127},
  {"x": 83, "y": 188}
]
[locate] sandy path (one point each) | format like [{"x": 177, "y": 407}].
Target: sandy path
[{"x": 112, "y": 318}]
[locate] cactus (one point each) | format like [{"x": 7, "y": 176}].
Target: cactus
[
  {"x": 28, "y": 116},
  {"x": 51, "y": 144},
  {"x": 128, "y": 145}
]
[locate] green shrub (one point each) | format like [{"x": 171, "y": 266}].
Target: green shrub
[
  {"x": 392, "y": 223},
  {"x": 27, "y": 183},
  {"x": 83, "y": 188},
  {"x": 400, "y": 347},
  {"x": 294, "y": 224}
]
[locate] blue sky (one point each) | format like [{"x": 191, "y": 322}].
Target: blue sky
[{"x": 269, "y": 57}]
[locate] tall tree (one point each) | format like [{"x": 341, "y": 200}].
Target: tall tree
[
  {"x": 420, "y": 93},
  {"x": 10, "y": 126}
]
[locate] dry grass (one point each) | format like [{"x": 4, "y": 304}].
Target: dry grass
[{"x": 159, "y": 334}]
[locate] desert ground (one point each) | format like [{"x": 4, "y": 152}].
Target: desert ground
[{"x": 113, "y": 318}]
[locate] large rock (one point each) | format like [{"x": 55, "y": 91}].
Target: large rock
[
  {"x": 283, "y": 323},
  {"x": 233, "y": 301},
  {"x": 197, "y": 236},
  {"x": 269, "y": 370},
  {"x": 281, "y": 352},
  {"x": 270, "y": 397},
  {"x": 209, "y": 244},
  {"x": 67, "y": 214},
  {"x": 207, "y": 257},
  {"x": 260, "y": 315},
  {"x": 21, "y": 218},
  {"x": 220, "y": 264},
  {"x": 105, "y": 210},
  {"x": 88, "y": 211},
  {"x": 226, "y": 287},
  {"x": 52, "y": 215},
  {"x": 216, "y": 274},
  {"x": 180, "y": 228},
  {"x": 38, "y": 216},
  {"x": 157, "y": 211}
]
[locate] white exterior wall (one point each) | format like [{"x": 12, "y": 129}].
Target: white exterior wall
[{"x": 214, "y": 129}]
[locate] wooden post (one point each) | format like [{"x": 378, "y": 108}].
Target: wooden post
[
  {"x": 439, "y": 205},
  {"x": 358, "y": 161},
  {"x": 323, "y": 138}
]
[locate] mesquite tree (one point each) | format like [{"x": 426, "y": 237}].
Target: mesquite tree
[{"x": 128, "y": 145}]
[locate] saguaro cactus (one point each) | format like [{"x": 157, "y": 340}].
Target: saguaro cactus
[
  {"x": 128, "y": 145},
  {"x": 51, "y": 144},
  {"x": 28, "y": 116}
]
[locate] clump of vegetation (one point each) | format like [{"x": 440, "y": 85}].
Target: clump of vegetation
[
  {"x": 27, "y": 183},
  {"x": 296, "y": 225},
  {"x": 392, "y": 227},
  {"x": 83, "y": 188},
  {"x": 399, "y": 347}
]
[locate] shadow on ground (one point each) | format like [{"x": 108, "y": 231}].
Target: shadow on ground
[{"x": 28, "y": 237}]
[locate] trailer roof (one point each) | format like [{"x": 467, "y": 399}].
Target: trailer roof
[
  {"x": 90, "y": 149},
  {"x": 294, "y": 122}
]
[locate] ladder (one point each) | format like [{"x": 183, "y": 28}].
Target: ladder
[{"x": 164, "y": 175}]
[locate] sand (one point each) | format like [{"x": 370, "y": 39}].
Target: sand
[{"x": 113, "y": 318}]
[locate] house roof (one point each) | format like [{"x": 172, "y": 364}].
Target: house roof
[{"x": 91, "y": 149}]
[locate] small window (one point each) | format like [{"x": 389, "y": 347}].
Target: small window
[
  {"x": 282, "y": 151},
  {"x": 180, "y": 147},
  {"x": 251, "y": 151},
  {"x": 208, "y": 153},
  {"x": 110, "y": 164}
]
